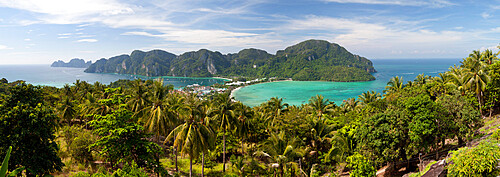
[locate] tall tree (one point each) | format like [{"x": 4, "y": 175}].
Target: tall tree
[
  {"x": 281, "y": 150},
  {"x": 394, "y": 85},
  {"x": 477, "y": 76},
  {"x": 369, "y": 97},
  {"x": 223, "y": 112},
  {"x": 28, "y": 125},
  {"x": 193, "y": 137},
  {"x": 320, "y": 105}
]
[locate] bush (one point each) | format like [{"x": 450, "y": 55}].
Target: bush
[
  {"x": 360, "y": 166},
  {"x": 477, "y": 161},
  {"x": 78, "y": 141}
]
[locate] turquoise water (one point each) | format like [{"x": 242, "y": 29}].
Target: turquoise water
[
  {"x": 58, "y": 76},
  {"x": 299, "y": 92}
]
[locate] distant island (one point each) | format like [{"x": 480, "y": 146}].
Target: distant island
[
  {"x": 310, "y": 60},
  {"x": 73, "y": 63}
]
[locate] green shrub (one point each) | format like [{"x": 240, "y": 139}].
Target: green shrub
[
  {"x": 360, "y": 166},
  {"x": 477, "y": 161}
]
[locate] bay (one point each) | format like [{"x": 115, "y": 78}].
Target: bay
[
  {"x": 59, "y": 76},
  {"x": 299, "y": 92}
]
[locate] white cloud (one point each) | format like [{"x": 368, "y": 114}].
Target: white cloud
[
  {"x": 63, "y": 37},
  {"x": 70, "y": 8},
  {"x": 65, "y": 34},
  {"x": 87, "y": 40},
  {"x": 384, "y": 38},
  {"x": 431, "y": 3},
  {"x": 27, "y": 39},
  {"x": 3, "y": 47},
  {"x": 86, "y": 36},
  {"x": 485, "y": 15}
]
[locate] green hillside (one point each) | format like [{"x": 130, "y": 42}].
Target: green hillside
[{"x": 308, "y": 60}]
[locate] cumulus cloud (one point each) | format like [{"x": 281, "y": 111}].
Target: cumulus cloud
[
  {"x": 87, "y": 40},
  {"x": 388, "y": 37}
]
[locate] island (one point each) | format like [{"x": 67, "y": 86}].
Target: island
[
  {"x": 73, "y": 63},
  {"x": 310, "y": 60}
]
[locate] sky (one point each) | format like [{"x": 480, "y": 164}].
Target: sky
[{"x": 43, "y": 31}]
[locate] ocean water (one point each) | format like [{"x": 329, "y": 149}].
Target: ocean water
[
  {"x": 59, "y": 76},
  {"x": 299, "y": 92}
]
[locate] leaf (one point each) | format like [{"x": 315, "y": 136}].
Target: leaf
[{"x": 5, "y": 163}]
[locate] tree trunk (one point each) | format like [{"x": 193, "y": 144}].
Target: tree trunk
[
  {"x": 480, "y": 105},
  {"x": 224, "y": 151},
  {"x": 190, "y": 166},
  {"x": 175, "y": 156},
  {"x": 202, "y": 164},
  {"x": 242, "y": 151}
]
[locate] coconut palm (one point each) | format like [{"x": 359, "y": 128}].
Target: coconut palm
[
  {"x": 280, "y": 150},
  {"x": 273, "y": 109},
  {"x": 488, "y": 57},
  {"x": 320, "y": 133},
  {"x": 421, "y": 79},
  {"x": 244, "y": 114},
  {"x": 320, "y": 105},
  {"x": 223, "y": 113},
  {"x": 176, "y": 110},
  {"x": 458, "y": 78},
  {"x": 477, "y": 77},
  {"x": 349, "y": 104},
  {"x": 67, "y": 110},
  {"x": 139, "y": 96},
  {"x": 192, "y": 137},
  {"x": 394, "y": 85},
  {"x": 368, "y": 97},
  {"x": 158, "y": 120}
]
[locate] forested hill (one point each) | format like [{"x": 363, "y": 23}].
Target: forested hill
[{"x": 308, "y": 60}]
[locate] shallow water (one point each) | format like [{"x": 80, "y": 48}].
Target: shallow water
[
  {"x": 299, "y": 92},
  {"x": 59, "y": 76}
]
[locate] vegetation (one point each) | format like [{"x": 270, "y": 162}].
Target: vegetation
[
  {"x": 144, "y": 128},
  {"x": 308, "y": 60}
]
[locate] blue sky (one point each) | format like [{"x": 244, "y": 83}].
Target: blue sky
[{"x": 41, "y": 31}]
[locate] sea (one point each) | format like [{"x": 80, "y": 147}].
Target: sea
[
  {"x": 299, "y": 92},
  {"x": 59, "y": 76},
  {"x": 292, "y": 92}
]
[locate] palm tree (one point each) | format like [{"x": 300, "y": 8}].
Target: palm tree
[
  {"x": 176, "y": 110},
  {"x": 488, "y": 57},
  {"x": 349, "y": 104},
  {"x": 158, "y": 119},
  {"x": 139, "y": 96},
  {"x": 193, "y": 137},
  {"x": 244, "y": 127},
  {"x": 281, "y": 150},
  {"x": 223, "y": 112},
  {"x": 320, "y": 133},
  {"x": 421, "y": 79},
  {"x": 477, "y": 77},
  {"x": 320, "y": 105},
  {"x": 369, "y": 97},
  {"x": 458, "y": 78},
  {"x": 394, "y": 85},
  {"x": 273, "y": 109},
  {"x": 67, "y": 110}
]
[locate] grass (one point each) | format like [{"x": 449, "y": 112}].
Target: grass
[
  {"x": 490, "y": 124},
  {"x": 183, "y": 164}
]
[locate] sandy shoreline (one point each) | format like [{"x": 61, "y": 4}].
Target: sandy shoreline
[
  {"x": 232, "y": 92},
  {"x": 223, "y": 78}
]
